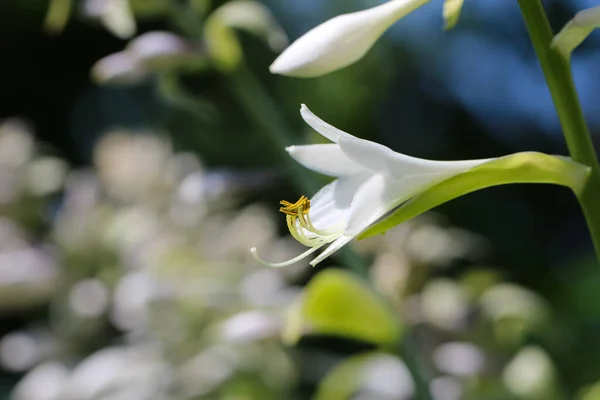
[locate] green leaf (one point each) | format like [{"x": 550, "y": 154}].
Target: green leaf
[
  {"x": 336, "y": 302},
  {"x": 149, "y": 8},
  {"x": 201, "y": 7},
  {"x": 452, "y": 9},
  {"x": 246, "y": 15},
  {"x": 222, "y": 44},
  {"x": 528, "y": 167},
  {"x": 590, "y": 392},
  {"x": 57, "y": 15},
  {"x": 349, "y": 376},
  {"x": 254, "y": 18}
]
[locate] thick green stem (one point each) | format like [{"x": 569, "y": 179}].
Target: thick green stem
[{"x": 557, "y": 70}]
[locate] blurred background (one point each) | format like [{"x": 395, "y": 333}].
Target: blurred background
[{"x": 141, "y": 156}]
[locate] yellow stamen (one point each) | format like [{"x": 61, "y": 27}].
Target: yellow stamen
[
  {"x": 302, "y": 229},
  {"x": 300, "y": 225},
  {"x": 302, "y": 206}
]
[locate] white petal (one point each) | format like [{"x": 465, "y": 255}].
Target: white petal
[
  {"x": 381, "y": 194},
  {"x": 382, "y": 159},
  {"x": 332, "y": 248},
  {"x": 369, "y": 203},
  {"x": 330, "y": 206},
  {"x": 340, "y": 41},
  {"x": 119, "y": 19},
  {"x": 588, "y": 17},
  {"x": 329, "y": 131},
  {"x": 119, "y": 69},
  {"x": 327, "y": 159},
  {"x": 376, "y": 196}
]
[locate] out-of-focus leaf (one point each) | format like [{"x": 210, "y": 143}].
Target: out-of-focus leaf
[
  {"x": 149, "y": 8},
  {"x": 200, "y": 6},
  {"x": 338, "y": 303},
  {"x": 590, "y": 393},
  {"x": 353, "y": 374},
  {"x": 255, "y": 18},
  {"x": 222, "y": 44},
  {"x": 527, "y": 167},
  {"x": 57, "y": 15},
  {"x": 452, "y": 9}
]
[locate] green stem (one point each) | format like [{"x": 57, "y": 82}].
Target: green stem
[
  {"x": 409, "y": 352},
  {"x": 265, "y": 114},
  {"x": 557, "y": 70}
]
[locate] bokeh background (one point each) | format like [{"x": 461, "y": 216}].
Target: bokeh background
[{"x": 141, "y": 156}]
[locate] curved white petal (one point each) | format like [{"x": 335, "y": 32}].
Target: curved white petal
[
  {"x": 326, "y": 159},
  {"x": 329, "y": 131},
  {"x": 369, "y": 203},
  {"x": 332, "y": 248},
  {"x": 118, "y": 18},
  {"x": 381, "y": 159},
  {"x": 330, "y": 206},
  {"x": 381, "y": 194},
  {"x": 340, "y": 41}
]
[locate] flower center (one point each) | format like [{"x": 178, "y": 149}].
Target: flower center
[
  {"x": 301, "y": 227},
  {"x": 303, "y": 230},
  {"x": 302, "y": 204}
]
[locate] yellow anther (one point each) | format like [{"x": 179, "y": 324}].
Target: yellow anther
[{"x": 302, "y": 206}]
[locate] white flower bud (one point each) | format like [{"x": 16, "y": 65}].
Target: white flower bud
[{"x": 340, "y": 41}]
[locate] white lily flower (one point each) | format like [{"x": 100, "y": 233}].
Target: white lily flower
[
  {"x": 340, "y": 41},
  {"x": 371, "y": 180}
]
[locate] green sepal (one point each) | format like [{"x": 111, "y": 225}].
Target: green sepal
[{"x": 527, "y": 167}]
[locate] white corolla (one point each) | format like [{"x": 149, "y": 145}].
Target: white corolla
[
  {"x": 371, "y": 180},
  {"x": 340, "y": 41}
]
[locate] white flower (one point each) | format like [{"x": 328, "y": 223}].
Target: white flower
[
  {"x": 340, "y": 41},
  {"x": 371, "y": 181}
]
